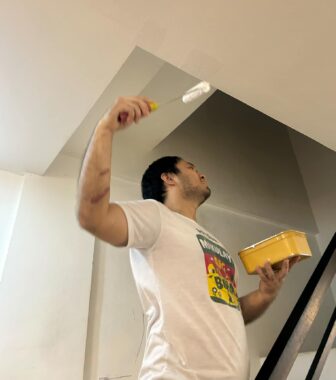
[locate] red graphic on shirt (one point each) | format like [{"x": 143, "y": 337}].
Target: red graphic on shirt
[{"x": 220, "y": 271}]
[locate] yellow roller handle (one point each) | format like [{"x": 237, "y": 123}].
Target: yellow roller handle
[{"x": 154, "y": 106}]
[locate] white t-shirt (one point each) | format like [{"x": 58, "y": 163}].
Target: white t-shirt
[{"x": 187, "y": 285}]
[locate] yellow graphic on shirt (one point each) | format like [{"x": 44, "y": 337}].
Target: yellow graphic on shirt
[{"x": 220, "y": 271}]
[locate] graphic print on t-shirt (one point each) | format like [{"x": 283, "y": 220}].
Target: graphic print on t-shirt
[{"x": 220, "y": 271}]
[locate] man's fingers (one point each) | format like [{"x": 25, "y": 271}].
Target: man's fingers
[
  {"x": 131, "y": 115},
  {"x": 142, "y": 108},
  {"x": 269, "y": 271},
  {"x": 146, "y": 99},
  {"x": 145, "y": 107},
  {"x": 145, "y": 104},
  {"x": 284, "y": 269},
  {"x": 128, "y": 110},
  {"x": 261, "y": 274},
  {"x": 294, "y": 261},
  {"x": 137, "y": 112}
]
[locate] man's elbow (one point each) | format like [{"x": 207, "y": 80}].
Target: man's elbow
[{"x": 85, "y": 221}]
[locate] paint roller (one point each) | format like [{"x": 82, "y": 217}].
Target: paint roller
[{"x": 187, "y": 97}]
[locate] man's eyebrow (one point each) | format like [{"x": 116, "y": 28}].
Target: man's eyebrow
[{"x": 189, "y": 163}]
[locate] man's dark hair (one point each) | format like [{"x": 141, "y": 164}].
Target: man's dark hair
[{"x": 152, "y": 186}]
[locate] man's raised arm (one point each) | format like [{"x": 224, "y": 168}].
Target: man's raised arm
[{"x": 95, "y": 213}]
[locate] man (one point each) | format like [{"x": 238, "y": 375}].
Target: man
[{"x": 185, "y": 278}]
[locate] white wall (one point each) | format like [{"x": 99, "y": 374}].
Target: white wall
[
  {"x": 247, "y": 158},
  {"x": 318, "y": 167},
  {"x": 115, "y": 334},
  {"x": 44, "y": 294},
  {"x": 10, "y": 194},
  {"x": 116, "y": 324}
]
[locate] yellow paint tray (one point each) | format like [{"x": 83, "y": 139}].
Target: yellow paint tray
[{"x": 285, "y": 245}]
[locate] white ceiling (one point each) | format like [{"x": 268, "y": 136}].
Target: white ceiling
[{"x": 59, "y": 59}]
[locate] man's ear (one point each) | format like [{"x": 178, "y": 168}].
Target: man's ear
[{"x": 168, "y": 179}]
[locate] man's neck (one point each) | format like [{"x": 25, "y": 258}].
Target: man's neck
[{"x": 187, "y": 209}]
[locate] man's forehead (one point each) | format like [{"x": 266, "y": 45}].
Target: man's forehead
[{"x": 186, "y": 163}]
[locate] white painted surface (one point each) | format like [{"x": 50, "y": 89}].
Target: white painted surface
[
  {"x": 247, "y": 158},
  {"x": 54, "y": 65},
  {"x": 44, "y": 295},
  {"x": 318, "y": 167},
  {"x": 57, "y": 58},
  {"x": 10, "y": 193},
  {"x": 116, "y": 327}
]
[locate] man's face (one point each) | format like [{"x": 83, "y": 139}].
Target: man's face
[{"x": 192, "y": 183}]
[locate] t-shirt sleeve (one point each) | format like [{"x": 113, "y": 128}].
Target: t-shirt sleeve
[{"x": 144, "y": 222}]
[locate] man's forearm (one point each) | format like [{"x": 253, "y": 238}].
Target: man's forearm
[
  {"x": 95, "y": 176},
  {"x": 254, "y": 304}
]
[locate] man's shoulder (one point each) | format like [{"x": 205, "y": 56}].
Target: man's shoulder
[
  {"x": 139, "y": 201},
  {"x": 142, "y": 204}
]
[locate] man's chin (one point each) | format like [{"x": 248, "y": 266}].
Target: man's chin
[{"x": 206, "y": 195}]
